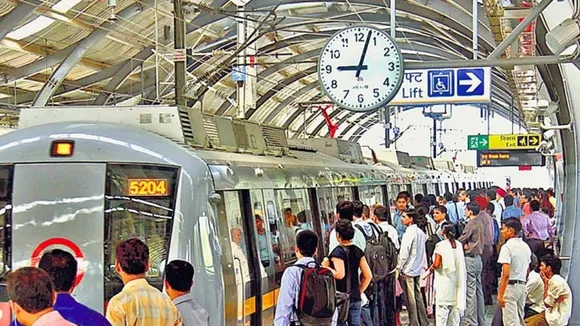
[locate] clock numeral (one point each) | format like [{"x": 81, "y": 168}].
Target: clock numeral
[
  {"x": 387, "y": 52},
  {"x": 375, "y": 40},
  {"x": 335, "y": 54},
  {"x": 346, "y": 91},
  {"x": 376, "y": 92},
  {"x": 360, "y": 98},
  {"x": 328, "y": 69},
  {"x": 334, "y": 84},
  {"x": 359, "y": 37},
  {"x": 391, "y": 66},
  {"x": 345, "y": 42},
  {"x": 387, "y": 82}
]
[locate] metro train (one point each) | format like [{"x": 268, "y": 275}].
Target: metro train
[{"x": 84, "y": 178}]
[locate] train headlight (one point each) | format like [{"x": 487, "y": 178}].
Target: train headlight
[{"x": 62, "y": 148}]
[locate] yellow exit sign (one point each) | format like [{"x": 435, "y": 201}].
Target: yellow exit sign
[{"x": 529, "y": 141}]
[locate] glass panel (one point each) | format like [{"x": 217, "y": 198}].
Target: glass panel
[
  {"x": 446, "y": 185},
  {"x": 5, "y": 219},
  {"x": 370, "y": 195},
  {"x": 296, "y": 211},
  {"x": 239, "y": 252},
  {"x": 129, "y": 214},
  {"x": 262, "y": 225}
]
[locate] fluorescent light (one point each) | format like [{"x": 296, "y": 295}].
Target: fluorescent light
[
  {"x": 65, "y": 5},
  {"x": 34, "y": 26}
]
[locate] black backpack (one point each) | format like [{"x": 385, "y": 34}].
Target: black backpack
[
  {"x": 317, "y": 296},
  {"x": 380, "y": 253}
]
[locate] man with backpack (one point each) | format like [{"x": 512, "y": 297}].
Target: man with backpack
[
  {"x": 382, "y": 305},
  {"x": 381, "y": 255},
  {"x": 307, "y": 294}
]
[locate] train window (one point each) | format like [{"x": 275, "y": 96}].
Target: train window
[
  {"x": 437, "y": 190},
  {"x": 263, "y": 234},
  {"x": 425, "y": 191},
  {"x": 139, "y": 202},
  {"x": 5, "y": 219},
  {"x": 296, "y": 211},
  {"x": 371, "y": 195},
  {"x": 446, "y": 185}
]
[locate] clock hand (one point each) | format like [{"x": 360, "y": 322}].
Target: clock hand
[
  {"x": 352, "y": 68},
  {"x": 364, "y": 54}
]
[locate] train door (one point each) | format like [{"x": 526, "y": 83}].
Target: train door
[
  {"x": 238, "y": 264},
  {"x": 5, "y": 240},
  {"x": 62, "y": 205},
  {"x": 265, "y": 223}
]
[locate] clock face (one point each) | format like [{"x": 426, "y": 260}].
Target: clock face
[{"x": 360, "y": 68}]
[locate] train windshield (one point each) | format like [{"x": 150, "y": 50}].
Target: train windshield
[{"x": 139, "y": 202}]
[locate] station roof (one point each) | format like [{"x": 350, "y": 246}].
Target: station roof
[{"x": 69, "y": 52}]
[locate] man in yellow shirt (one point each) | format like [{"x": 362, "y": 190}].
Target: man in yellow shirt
[{"x": 138, "y": 304}]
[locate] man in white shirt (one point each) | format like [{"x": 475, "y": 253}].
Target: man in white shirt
[
  {"x": 410, "y": 266},
  {"x": 358, "y": 221},
  {"x": 515, "y": 256},
  {"x": 382, "y": 220},
  {"x": 534, "y": 291},
  {"x": 345, "y": 210},
  {"x": 498, "y": 209},
  {"x": 557, "y": 295}
]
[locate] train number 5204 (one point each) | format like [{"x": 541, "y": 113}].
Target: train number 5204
[{"x": 147, "y": 187}]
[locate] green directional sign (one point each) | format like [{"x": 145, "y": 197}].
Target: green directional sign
[
  {"x": 504, "y": 142},
  {"x": 478, "y": 142}
]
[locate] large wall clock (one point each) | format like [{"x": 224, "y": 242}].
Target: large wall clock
[{"x": 360, "y": 68}]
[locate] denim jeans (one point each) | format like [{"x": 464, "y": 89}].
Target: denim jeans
[
  {"x": 354, "y": 311},
  {"x": 365, "y": 316}
]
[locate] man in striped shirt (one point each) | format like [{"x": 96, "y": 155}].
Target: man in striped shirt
[{"x": 138, "y": 304}]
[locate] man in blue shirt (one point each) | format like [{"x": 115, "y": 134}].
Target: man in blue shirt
[
  {"x": 401, "y": 205},
  {"x": 511, "y": 209},
  {"x": 307, "y": 242},
  {"x": 62, "y": 268},
  {"x": 452, "y": 208}
]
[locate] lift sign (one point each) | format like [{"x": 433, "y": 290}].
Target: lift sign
[{"x": 147, "y": 187}]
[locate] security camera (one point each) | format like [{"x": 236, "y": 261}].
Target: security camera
[
  {"x": 563, "y": 36},
  {"x": 549, "y": 134},
  {"x": 545, "y": 147}
]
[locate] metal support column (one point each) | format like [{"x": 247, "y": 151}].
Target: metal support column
[
  {"x": 240, "y": 89},
  {"x": 387, "y": 126},
  {"x": 434, "y": 138},
  {"x": 475, "y": 29},
  {"x": 394, "y": 19},
  {"x": 179, "y": 45},
  {"x": 535, "y": 13}
]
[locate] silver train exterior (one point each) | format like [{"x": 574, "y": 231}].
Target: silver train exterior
[{"x": 233, "y": 216}]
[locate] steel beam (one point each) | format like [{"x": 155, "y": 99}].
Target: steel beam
[
  {"x": 79, "y": 51},
  {"x": 122, "y": 73},
  {"x": 16, "y": 16},
  {"x": 507, "y": 62},
  {"x": 535, "y": 13}
]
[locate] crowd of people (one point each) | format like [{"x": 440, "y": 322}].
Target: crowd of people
[
  {"x": 42, "y": 296},
  {"x": 442, "y": 259}
]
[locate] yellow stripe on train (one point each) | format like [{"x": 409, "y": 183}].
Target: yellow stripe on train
[{"x": 268, "y": 301}]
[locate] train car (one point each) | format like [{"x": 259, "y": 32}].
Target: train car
[{"x": 83, "y": 179}]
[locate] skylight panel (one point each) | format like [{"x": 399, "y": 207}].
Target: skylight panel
[
  {"x": 65, "y": 5},
  {"x": 33, "y": 27}
]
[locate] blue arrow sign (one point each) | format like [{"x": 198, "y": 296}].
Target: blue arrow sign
[
  {"x": 441, "y": 86},
  {"x": 470, "y": 82}
]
